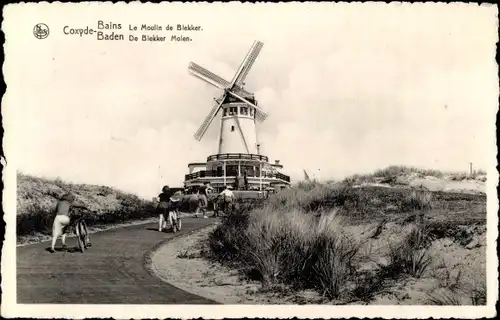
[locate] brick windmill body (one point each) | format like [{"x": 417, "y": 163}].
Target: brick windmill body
[{"x": 238, "y": 157}]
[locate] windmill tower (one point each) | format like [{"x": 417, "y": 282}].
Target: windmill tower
[
  {"x": 239, "y": 107},
  {"x": 238, "y": 161}
]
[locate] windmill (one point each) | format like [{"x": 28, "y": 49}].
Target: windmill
[{"x": 239, "y": 107}]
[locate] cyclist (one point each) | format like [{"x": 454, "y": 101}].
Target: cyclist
[
  {"x": 175, "y": 201},
  {"x": 62, "y": 219},
  {"x": 164, "y": 206}
]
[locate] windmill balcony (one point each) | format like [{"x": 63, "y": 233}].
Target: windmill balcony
[
  {"x": 234, "y": 173},
  {"x": 237, "y": 156}
]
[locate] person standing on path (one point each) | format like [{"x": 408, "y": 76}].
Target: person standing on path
[{"x": 203, "y": 200}]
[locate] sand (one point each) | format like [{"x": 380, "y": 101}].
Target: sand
[{"x": 180, "y": 263}]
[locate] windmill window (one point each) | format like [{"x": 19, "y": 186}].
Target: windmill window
[
  {"x": 244, "y": 110},
  {"x": 251, "y": 112},
  {"x": 233, "y": 111},
  {"x": 232, "y": 128},
  {"x": 225, "y": 112}
]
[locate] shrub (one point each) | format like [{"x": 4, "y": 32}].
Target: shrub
[
  {"x": 416, "y": 200},
  {"x": 228, "y": 240},
  {"x": 393, "y": 171},
  {"x": 458, "y": 176},
  {"x": 37, "y": 220},
  {"x": 37, "y": 199}
]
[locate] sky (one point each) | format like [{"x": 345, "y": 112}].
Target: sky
[{"x": 349, "y": 88}]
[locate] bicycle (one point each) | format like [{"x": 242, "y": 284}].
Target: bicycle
[
  {"x": 82, "y": 234},
  {"x": 176, "y": 224},
  {"x": 221, "y": 204},
  {"x": 176, "y": 221}
]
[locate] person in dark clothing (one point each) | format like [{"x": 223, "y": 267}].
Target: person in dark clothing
[
  {"x": 165, "y": 206},
  {"x": 165, "y": 194},
  {"x": 245, "y": 180}
]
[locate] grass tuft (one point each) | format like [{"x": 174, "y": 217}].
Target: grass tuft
[
  {"x": 444, "y": 298},
  {"x": 410, "y": 256}
]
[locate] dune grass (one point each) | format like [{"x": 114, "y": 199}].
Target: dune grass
[
  {"x": 288, "y": 248},
  {"x": 298, "y": 237}
]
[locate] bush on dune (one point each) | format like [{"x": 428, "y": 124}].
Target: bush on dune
[
  {"x": 37, "y": 199},
  {"x": 228, "y": 239},
  {"x": 416, "y": 200},
  {"x": 403, "y": 170}
]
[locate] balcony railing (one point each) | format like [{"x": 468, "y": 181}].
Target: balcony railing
[
  {"x": 282, "y": 176},
  {"x": 237, "y": 156},
  {"x": 215, "y": 173}
]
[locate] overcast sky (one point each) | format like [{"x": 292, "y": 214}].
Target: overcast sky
[{"x": 348, "y": 89}]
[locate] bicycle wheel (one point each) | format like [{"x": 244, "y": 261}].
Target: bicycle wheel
[{"x": 80, "y": 236}]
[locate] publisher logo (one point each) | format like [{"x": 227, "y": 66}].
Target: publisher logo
[{"x": 41, "y": 31}]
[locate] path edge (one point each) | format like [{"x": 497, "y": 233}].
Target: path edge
[{"x": 148, "y": 261}]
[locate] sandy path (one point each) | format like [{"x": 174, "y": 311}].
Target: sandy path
[{"x": 111, "y": 271}]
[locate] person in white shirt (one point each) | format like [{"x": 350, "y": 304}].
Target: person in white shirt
[{"x": 227, "y": 199}]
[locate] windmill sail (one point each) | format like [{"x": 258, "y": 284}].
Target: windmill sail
[
  {"x": 247, "y": 63},
  {"x": 205, "y": 75},
  {"x": 306, "y": 176},
  {"x": 208, "y": 120}
]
